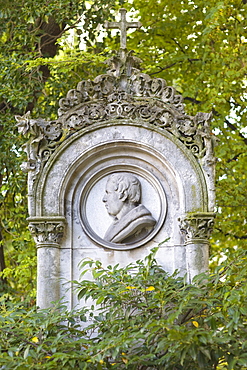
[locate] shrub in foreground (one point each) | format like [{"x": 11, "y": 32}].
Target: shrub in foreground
[{"x": 145, "y": 319}]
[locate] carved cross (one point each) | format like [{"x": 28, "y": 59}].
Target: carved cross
[{"x": 123, "y": 26}]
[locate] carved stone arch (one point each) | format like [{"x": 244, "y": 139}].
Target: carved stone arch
[
  {"x": 79, "y": 169},
  {"x": 122, "y": 125},
  {"x": 165, "y": 148}
]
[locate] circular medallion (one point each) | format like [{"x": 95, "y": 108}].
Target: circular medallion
[{"x": 122, "y": 207}]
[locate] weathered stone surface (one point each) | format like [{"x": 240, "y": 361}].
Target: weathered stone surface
[
  {"x": 47, "y": 231},
  {"x": 140, "y": 99},
  {"x": 123, "y": 123},
  {"x": 197, "y": 227},
  {"x": 74, "y": 180}
]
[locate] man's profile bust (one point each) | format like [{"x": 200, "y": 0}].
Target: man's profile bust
[{"x": 132, "y": 220}]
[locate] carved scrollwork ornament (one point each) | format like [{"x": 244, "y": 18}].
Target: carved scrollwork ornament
[
  {"x": 197, "y": 228},
  {"x": 43, "y": 138},
  {"x": 47, "y": 232},
  {"x": 140, "y": 97},
  {"x": 123, "y": 92}
]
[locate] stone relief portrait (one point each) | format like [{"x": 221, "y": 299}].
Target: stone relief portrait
[{"x": 132, "y": 221}]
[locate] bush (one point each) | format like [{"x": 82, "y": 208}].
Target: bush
[
  {"x": 41, "y": 339},
  {"x": 145, "y": 319}
]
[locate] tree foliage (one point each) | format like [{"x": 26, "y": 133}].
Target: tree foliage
[{"x": 199, "y": 47}]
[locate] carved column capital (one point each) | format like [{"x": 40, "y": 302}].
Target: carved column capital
[
  {"x": 197, "y": 227},
  {"x": 47, "y": 231}
]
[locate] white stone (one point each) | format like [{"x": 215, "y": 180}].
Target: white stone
[
  {"x": 122, "y": 170},
  {"x": 73, "y": 184}
]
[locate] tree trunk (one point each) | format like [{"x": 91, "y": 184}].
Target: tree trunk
[
  {"x": 2, "y": 261},
  {"x": 51, "y": 31},
  {"x": 3, "y": 281}
]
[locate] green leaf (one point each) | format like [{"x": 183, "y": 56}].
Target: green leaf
[{"x": 26, "y": 352}]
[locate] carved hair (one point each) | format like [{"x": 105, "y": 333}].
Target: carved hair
[{"x": 127, "y": 183}]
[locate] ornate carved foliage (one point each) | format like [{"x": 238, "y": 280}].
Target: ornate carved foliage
[
  {"x": 123, "y": 93},
  {"x": 142, "y": 98},
  {"x": 110, "y": 88},
  {"x": 197, "y": 227},
  {"x": 43, "y": 138},
  {"x": 47, "y": 232}
]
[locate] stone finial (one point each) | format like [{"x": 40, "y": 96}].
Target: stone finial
[
  {"x": 123, "y": 26},
  {"x": 124, "y": 63}
]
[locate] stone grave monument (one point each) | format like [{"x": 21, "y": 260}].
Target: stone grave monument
[{"x": 121, "y": 170}]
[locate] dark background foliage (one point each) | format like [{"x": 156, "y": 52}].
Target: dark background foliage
[{"x": 47, "y": 47}]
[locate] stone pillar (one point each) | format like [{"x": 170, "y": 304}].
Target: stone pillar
[
  {"x": 197, "y": 228},
  {"x": 47, "y": 233}
]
